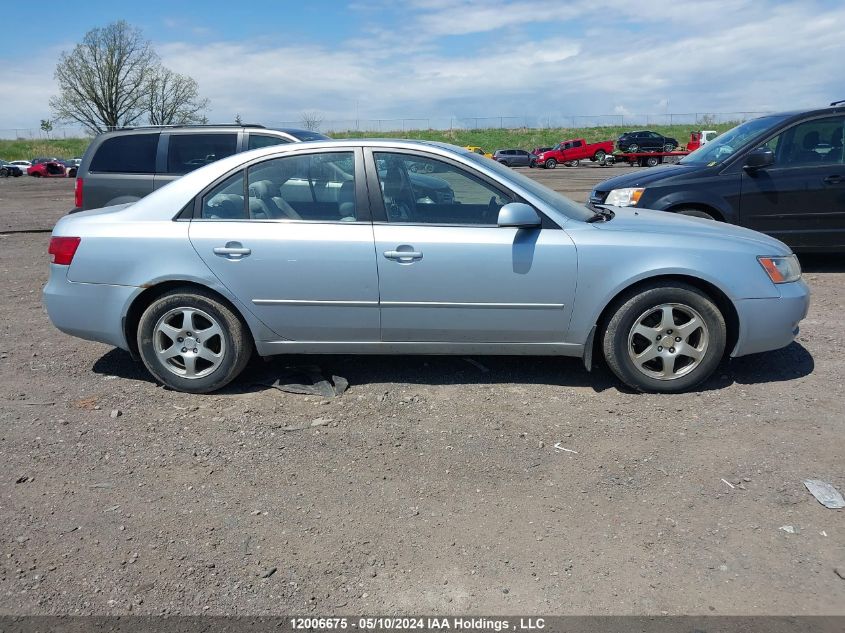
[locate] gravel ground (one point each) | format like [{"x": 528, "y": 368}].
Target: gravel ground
[{"x": 432, "y": 485}]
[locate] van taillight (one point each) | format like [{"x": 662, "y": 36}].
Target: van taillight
[
  {"x": 63, "y": 249},
  {"x": 77, "y": 193}
]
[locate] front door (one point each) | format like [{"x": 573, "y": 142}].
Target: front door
[
  {"x": 448, "y": 273},
  {"x": 801, "y": 198},
  {"x": 292, "y": 239}
]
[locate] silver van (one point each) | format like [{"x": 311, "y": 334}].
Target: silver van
[{"x": 128, "y": 164}]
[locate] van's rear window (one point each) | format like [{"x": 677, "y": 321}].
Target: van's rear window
[{"x": 128, "y": 154}]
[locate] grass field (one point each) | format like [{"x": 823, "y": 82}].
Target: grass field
[{"x": 490, "y": 139}]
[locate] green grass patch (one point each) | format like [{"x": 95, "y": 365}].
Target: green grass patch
[
  {"x": 528, "y": 138},
  {"x": 21, "y": 149},
  {"x": 490, "y": 139}
]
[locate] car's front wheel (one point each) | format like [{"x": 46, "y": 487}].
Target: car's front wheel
[
  {"x": 191, "y": 341},
  {"x": 551, "y": 163},
  {"x": 664, "y": 338}
]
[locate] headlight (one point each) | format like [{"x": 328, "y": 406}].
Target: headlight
[
  {"x": 781, "y": 270},
  {"x": 624, "y": 197}
]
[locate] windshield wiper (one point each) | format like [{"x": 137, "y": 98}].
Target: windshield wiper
[{"x": 602, "y": 214}]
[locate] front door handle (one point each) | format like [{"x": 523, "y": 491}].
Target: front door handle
[
  {"x": 232, "y": 250},
  {"x": 403, "y": 256},
  {"x": 833, "y": 180}
]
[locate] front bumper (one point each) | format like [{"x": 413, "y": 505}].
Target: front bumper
[
  {"x": 94, "y": 312},
  {"x": 768, "y": 324}
]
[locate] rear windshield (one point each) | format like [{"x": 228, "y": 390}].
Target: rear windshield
[{"x": 127, "y": 154}]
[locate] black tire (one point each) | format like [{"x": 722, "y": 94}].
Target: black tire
[
  {"x": 599, "y": 156},
  {"x": 652, "y": 161},
  {"x": 669, "y": 147},
  {"x": 695, "y": 213},
  {"x": 4, "y": 173},
  {"x": 233, "y": 343},
  {"x": 633, "y": 149},
  {"x": 533, "y": 163},
  {"x": 550, "y": 163},
  {"x": 36, "y": 175},
  {"x": 620, "y": 344}
]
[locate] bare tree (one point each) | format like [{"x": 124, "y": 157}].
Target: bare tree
[
  {"x": 102, "y": 81},
  {"x": 172, "y": 98},
  {"x": 311, "y": 120}
]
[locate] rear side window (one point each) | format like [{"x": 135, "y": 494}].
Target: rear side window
[
  {"x": 190, "y": 151},
  {"x": 129, "y": 154},
  {"x": 262, "y": 140}
]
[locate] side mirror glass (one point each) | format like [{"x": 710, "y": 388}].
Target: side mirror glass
[
  {"x": 519, "y": 215},
  {"x": 759, "y": 158}
]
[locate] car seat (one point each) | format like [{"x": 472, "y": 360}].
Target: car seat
[
  {"x": 346, "y": 201},
  {"x": 808, "y": 147},
  {"x": 263, "y": 204}
]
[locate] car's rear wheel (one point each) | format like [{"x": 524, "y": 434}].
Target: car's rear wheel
[
  {"x": 4, "y": 173},
  {"x": 36, "y": 174},
  {"x": 190, "y": 341},
  {"x": 695, "y": 213},
  {"x": 551, "y": 163},
  {"x": 634, "y": 148},
  {"x": 664, "y": 338},
  {"x": 599, "y": 156}
]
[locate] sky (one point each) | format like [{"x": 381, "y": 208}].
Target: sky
[{"x": 270, "y": 61}]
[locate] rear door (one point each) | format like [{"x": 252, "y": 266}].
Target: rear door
[
  {"x": 448, "y": 273},
  {"x": 801, "y": 198},
  {"x": 291, "y": 237}
]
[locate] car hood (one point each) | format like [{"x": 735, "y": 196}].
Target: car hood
[
  {"x": 644, "y": 177},
  {"x": 671, "y": 224}
]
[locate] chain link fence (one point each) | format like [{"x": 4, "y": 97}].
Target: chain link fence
[{"x": 697, "y": 119}]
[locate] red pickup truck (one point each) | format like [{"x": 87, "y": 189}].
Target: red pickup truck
[{"x": 571, "y": 152}]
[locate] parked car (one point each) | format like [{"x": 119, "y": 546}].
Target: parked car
[
  {"x": 573, "y": 151},
  {"x": 70, "y": 167},
  {"x": 23, "y": 164},
  {"x": 478, "y": 150},
  {"x": 513, "y": 157},
  {"x": 126, "y": 165},
  {"x": 47, "y": 169},
  {"x": 43, "y": 159},
  {"x": 8, "y": 169},
  {"x": 327, "y": 248},
  {"x": 645, "y": 141},
  {"x": 782, "y": 174}
]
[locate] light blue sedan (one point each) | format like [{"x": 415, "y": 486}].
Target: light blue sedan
[{"x": 400, "y": 247}]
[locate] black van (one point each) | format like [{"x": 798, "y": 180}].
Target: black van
[{"x": 782, "y": 174}]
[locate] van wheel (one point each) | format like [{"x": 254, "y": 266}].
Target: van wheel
[
  {"x": 192, "y": 342},
  {"x": 664, "y": 338},
  {"x": 695, "y": 213},
  {"x": 551, "y": 163}
]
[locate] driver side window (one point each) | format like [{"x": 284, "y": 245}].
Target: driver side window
[{"x": 421, "y": 190}]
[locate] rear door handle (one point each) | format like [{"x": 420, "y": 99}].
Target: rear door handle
[
  {"x": 833, "y": 180},
  {"x": 232, "y": 250},
  {"x": 403, "y": 255}
]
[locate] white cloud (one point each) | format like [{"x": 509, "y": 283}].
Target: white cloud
[{"x": 719, "y": 56}]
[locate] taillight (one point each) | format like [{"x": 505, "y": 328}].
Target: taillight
[
  {"x": 77, "y": 193},
  {"x": 63, "y": 249}
]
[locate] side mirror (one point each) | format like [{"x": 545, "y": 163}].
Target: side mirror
[
  {"x": 760, "y": 158},
  {"x": 518, "y": 215}
]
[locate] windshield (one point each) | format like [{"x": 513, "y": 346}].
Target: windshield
[
  {"x": 719, "y": 149},
  {"x": 552, "y": 198}
]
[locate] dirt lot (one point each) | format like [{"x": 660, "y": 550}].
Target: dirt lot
[{"x": 435, "y": 487}]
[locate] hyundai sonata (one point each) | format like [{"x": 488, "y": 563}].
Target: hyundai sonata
[{"x": 340, "y": 247}]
